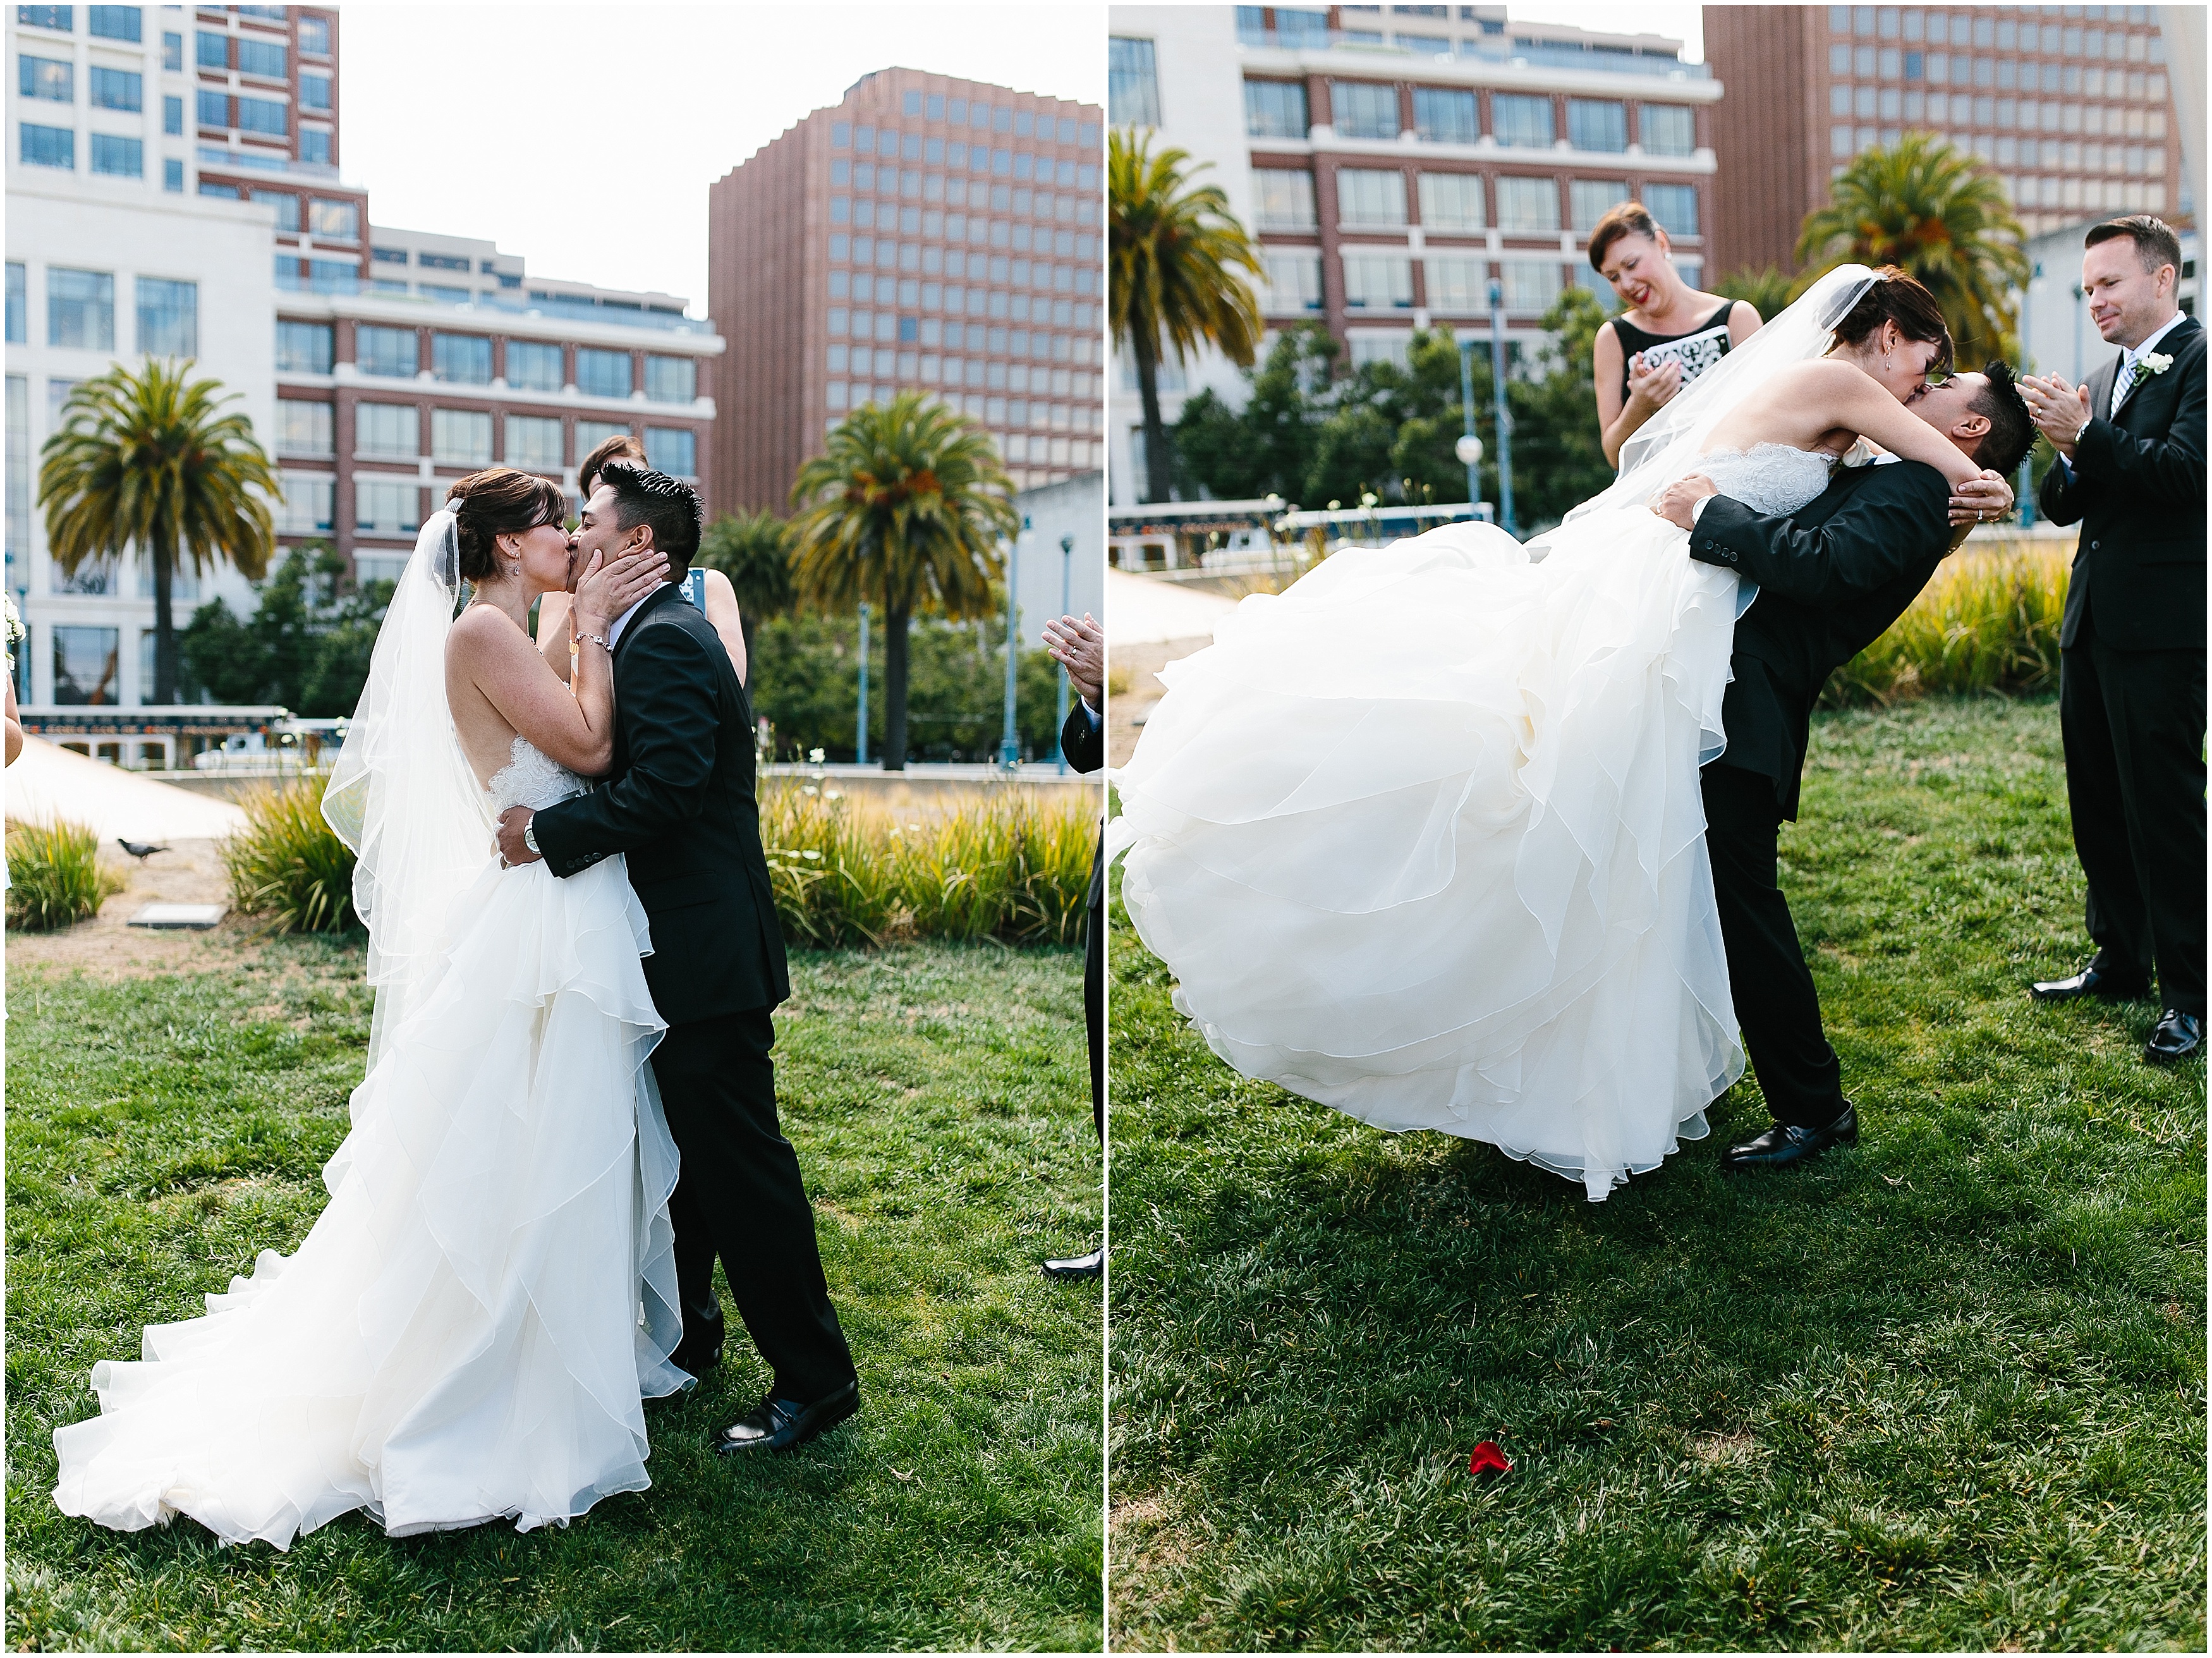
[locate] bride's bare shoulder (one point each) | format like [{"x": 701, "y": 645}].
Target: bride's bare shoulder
[
  {"x": 1817, "y": 374},
  {"x": 482, "y": 633}
]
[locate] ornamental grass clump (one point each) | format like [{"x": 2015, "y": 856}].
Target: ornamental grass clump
[
  {"x": 287, "y": 866},
  {"x": 55, "y": 877},
  {"x": 1987, "y": 624}
]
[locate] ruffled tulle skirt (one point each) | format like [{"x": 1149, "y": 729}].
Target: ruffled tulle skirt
[
  {"x": 468, "y": 1332},
  {"x": 1421, "y": 839}
]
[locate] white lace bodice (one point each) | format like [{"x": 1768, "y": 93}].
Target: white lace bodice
[
  {"x": 530, "y": 779},
  {"x": 1772, "y": 478}
]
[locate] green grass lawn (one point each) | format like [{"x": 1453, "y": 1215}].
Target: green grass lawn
[
  {"x": 1942, "y": 1390},
  {"x": 161, "y": 1130}
]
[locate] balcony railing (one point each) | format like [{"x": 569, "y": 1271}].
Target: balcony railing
[{"x": 1590, "y": 60}]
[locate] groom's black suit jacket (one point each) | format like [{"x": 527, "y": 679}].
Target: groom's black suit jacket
[
  {"x": 1832, "y": 576},
  {"x": 680, "y": 802},
  {"x": 2136, "y": 488}
]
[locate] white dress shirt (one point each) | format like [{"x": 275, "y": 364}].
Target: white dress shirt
[{"x": 2133, "y": 354}]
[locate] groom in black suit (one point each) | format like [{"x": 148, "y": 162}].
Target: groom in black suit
[
  {"x": 679, "y": 802},
  {"x": 2131, "y": 648},
  {"x": 1831, "y": 578}
]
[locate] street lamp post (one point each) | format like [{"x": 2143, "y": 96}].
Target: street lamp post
[
  {"x": 2027, "y": 338},
  {"x": 1504, "y": 418},
  {"x": 1010, "y": 748},
  {"x": 861, "y": 745},
  {"x": 1468, "y": 440},
  {"x": 1066, "y": 562}
]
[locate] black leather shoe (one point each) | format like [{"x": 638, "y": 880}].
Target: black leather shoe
[
  {"x": 701, "y": 1350},
  {"x": 2177, "y": 1036},
  {"x": 1090, "y": 1265},
  {"x": 1788, "y": 1143},
  {"x": 778, "y": 1424},
  {"x": 2096, "y": 980}
]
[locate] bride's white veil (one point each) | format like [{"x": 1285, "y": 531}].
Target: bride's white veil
[
  {"x": 402, "y": 795},
  {"x": 1667, "y": 446}
]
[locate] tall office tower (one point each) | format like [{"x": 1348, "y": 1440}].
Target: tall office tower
[
  {"x": 927, "y": 234},
  {"x": 1396, "y": 162},
  {"x": 2069, "y": 105}
]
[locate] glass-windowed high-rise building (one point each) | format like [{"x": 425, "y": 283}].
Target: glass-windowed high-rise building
[{"x": 926, "y": 233}]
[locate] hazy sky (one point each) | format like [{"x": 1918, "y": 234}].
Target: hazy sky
[{"x": 583, "y": 137}]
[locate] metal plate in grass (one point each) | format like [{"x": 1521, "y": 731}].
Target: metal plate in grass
[{"x": 197, "y": 916}]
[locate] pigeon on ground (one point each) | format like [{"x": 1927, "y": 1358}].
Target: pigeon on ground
[{"x": 137, "y": 850}]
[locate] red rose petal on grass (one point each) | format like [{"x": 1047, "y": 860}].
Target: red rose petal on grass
[{"x": 1488, "y": 1458}]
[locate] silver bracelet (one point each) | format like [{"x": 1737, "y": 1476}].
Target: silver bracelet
[{"x": 599, "y": 642}]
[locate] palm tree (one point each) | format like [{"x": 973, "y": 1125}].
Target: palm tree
[
  {"x": 1943, "y": 218},
  {"x": 146, "y": 456},
  {"x": 904, "y": 508},
  {"x": 1175, "y": 254},
  {"x": 753, "y": 552}
]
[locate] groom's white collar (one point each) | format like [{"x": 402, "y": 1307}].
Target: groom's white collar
[{"x": 615, "y": 631}]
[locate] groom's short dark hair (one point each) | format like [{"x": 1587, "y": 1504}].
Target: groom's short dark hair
[
  {"x": 2012, "y": 428},
  {"x": 669, "y": 505}
]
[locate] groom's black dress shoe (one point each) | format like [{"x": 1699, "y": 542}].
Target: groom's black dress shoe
[
  {"x": 1078, "y": 1266},
  {"x": 1788, "y": 1143},
  {"x": 777, "y": 1424},
  {"x": 2095, "y": 980},
  {"x": 2177, "y": 1035}
]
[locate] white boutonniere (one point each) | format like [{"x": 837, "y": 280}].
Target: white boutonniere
[
  {"x": 2154, "y": 362},
  {"x": 11, "y": 629}
]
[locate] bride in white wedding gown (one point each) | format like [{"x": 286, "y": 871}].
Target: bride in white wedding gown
[
  {"x": 468, "y": 1331},
  {"x": 1421, "y": 838}
]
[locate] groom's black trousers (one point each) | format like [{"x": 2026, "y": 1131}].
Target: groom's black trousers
[
  {"x": 1776, "y": 1005},
  {"x": 739, "y": 1196}
]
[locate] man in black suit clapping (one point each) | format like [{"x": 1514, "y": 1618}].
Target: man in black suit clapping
[
  {"x": 1080, "y": 648},
  {"x": 2132, "y": 674}
]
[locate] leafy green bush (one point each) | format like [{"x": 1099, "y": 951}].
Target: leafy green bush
[
  {"x": 306, "y": 648},
  {"x": 286, "y": 863},
  {"x": 1002, "y": 867},
  {"x": 55, "y": 877},
  {"x": 1988, "y": 623}
]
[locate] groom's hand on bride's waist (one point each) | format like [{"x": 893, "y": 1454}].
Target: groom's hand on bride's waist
[
  {"x": 513, "y": 823},
  {"x": 1678, "y": 502}
]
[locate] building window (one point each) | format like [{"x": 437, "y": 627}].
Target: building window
[
  {"x": 85, "y": 673},
  {"x": 115, "y": 22},
  {"x": 381, "y": 508},
  {"x": 1590, "y": 200},
  {"x": 533, "y": 441},
  {"x": 80, "y": 309},
  {"x": 1378, "y": 282},
  {"x": 286, "y": 204},
  {"x": 310, "y": 500},
  {"x": 334, "y": 221},
  {"x": 62, "y": 18},
  {"x": 1451, "y": 201},
  {"x": 394, "y": 351},
  {"x": 1597, "y": 125},
  {"x": 117, "y": 89},
  {"x": 1364, "y": 110},
  {"x": 1529, "y": 284},
  {"x": 1528, "y": 203},
  {"x": 333, "y": 276},
  {"x": 1275, "y": 109},
  {"x": 1285, "y": 198},
  {"x": 389, "y": 431},
  {"x": 1459, "y": 284},
  {"x": 18, "y": 303},
  {"x": 121, "y": 158},
  {"x": 1133, "y": 84},
  {"x": 45, "y": 78},
  {"x": 460, "y": 437},
  {"x": 670, "y": 379},
  {"x": 168, "y": 318},
  {"x": 1674, "y": 206},
  {"x": 673, "y": 450},
  {"x": 1293, "y": 282},
  {"x": 1444, "y": 116},
  {"x": 303, "y": 348},
  {"x": 532, "y": 365},
  {"x": 314, "y": 37},
  {"x": 214, "y": 109},
  {"x": 1370, "y": 197},
  {"x": 315, "y": 145},
  {"x": 590, "y": 434},
  {"x": 172, "y": 53},
  {"x": 213, "y": 51},
  {"x": 49, "y": 146},
  {"x": 1521, "y": 121},
  {"x": 303, "y": 427},
  {"x": 173, "y": 116},
  {"x": 462, "y": 359},
  {"x": 264, "y": 59},
  {"x": 264, "y": 116},
  {"x": 315, "y": 92},
  {"x": 602, "y": 373}
]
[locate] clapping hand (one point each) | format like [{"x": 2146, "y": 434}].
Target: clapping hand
[
  {"x": 1653, "y": 385},
  {"x": 2060, "y": 409},
  {"x": 1080, "y": 648}
]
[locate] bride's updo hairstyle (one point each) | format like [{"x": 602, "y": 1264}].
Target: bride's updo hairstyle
[
  {"x": 1895, "y": 297},
  {"x": 498, "y": 502}
]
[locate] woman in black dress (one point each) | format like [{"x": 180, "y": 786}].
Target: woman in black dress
[{"x": 1630, "y": 251}]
